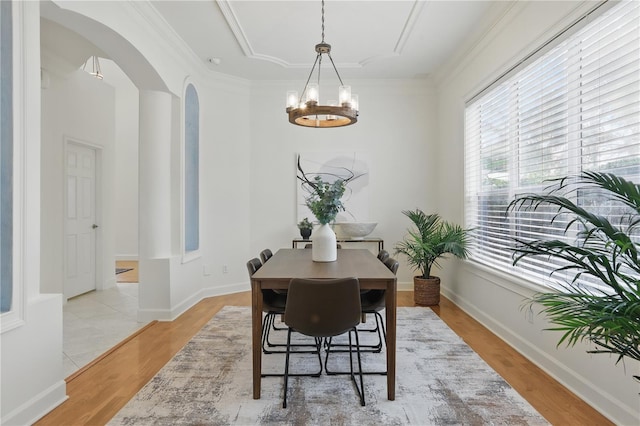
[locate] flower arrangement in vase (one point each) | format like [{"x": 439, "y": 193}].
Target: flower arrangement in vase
[{"x": 324, "y": 201}]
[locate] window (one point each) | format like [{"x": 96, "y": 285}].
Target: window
[
  {"x": 574, "y": 108},
  {"x": 191, "y": 170},
  {"x": 6, "y": 158}
]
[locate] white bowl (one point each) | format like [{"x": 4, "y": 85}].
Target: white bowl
[{"x": 354, "y": 230}]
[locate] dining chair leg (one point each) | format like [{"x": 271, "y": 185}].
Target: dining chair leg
[
  {"x": 380, "y": 326},
  {"x": 286, "y": 366},
  {"x": 328, "y": 349},
  {"x": 363, "y": 321},
  {"x": 359, "y": 389},
  {"x": 267, "y": 345},
  {"x": 318, "y": 347},
  {"x": 286, "y": 370},
  {"x": 265, "y": 331},
  {"x": 279, "y": 328},
  {"x": 293, "y": 345},
  {"x": 376, "y": 348}
]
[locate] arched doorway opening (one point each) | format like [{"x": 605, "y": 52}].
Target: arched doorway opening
[{"x": 101, "y": 117}]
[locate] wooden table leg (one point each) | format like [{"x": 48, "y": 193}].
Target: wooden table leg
[
  {"x": 256, "y": 336},
  {"x": 390, "y": 308}
]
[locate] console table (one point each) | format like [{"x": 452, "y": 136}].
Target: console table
[{"x": 378, "y": 241}]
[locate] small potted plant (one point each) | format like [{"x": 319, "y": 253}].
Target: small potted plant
[
  {"x": 433, "y": 239},
  {"x": 305, "y": 228}
]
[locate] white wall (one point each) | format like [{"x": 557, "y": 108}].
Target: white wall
[
  {"x": 79, "y": 107},
  {"x": 492, "y": 298},
  {"x": 395, "y": 129},
  {"x": 30, "y": 346},
  {"x": 126, "y": 162},
  {"x": 225, "y": 173}
]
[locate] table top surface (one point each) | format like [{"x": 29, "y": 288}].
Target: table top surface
[
  {"x": 294, "y": 263},
  {"x": 344, "y": 240}
]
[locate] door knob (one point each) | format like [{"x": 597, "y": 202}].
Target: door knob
[{"x": 94, "y": 226}]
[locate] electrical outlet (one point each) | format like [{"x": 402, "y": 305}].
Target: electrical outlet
[{"x": 225, "y": 270}]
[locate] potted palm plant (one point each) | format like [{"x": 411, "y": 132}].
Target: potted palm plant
[
  {"x": 432, "y": 239},
  {"x": 608, "y": 317}
]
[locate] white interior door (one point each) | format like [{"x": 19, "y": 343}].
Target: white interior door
[{"x": 81, "y": 228}]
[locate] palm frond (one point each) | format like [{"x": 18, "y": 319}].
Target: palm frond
[
  {"x": 608, "y": 319},
  {"x": 610, "y": 323}
]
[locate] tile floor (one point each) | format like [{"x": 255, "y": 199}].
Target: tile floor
[{"x": 95, "y": 322}]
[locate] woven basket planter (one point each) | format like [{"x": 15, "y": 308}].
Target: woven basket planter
[{"x": 426, "y": 292}]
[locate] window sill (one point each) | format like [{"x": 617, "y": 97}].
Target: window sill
[
  {"x": 504, "y": 279},
  {"x": 191, "y": 256}
]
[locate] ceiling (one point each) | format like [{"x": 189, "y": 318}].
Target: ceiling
[{"x": 275, "y": 40}]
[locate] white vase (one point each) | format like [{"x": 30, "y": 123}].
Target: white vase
[{"x": 323, "y": 247}]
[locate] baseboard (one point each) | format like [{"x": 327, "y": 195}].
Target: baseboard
[
  {"x": 107, "y": 283},
  {"x": 605, "y": 403},
  {"x": 186, "y": 304},
  {"x": 405, "y": 286},
  {"x": 147, "y": 315},
  {"x": 225, "y": 289},
  {"x": 38, "y": 406}
]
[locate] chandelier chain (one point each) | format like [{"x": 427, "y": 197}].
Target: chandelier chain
[
  {"x": 318, "y": 56},
  {"x": 319, "y": 68},
  {"x": 335, "y": 69},
  {"x": 322, "y": 21}
]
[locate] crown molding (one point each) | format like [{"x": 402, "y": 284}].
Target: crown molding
[{"x": 248, "y": 50}]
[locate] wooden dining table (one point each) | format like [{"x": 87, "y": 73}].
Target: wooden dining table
[{"x": 286, "y": 264}]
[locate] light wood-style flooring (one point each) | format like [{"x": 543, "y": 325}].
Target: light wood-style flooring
[
  {"x": 98, "y": 392},
  {"x": 129, "y": 276}
]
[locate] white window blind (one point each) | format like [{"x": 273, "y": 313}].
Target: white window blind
[{"x": 574, "y": 108}]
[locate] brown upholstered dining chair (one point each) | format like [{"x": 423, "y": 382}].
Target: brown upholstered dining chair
[
  {"x": 372, "y": 302},
  {"x": 265, "y": 255},
  {"x": 383, "y": 255},
  {"x": 324, "y": 309},
  {"x": 392, "y": 264},
  {"x": 273, "y": 304}
]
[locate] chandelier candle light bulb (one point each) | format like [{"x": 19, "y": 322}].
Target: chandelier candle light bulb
[
  {"x": 354, "y": 102},
  {"x": 313, "y": 93},
  {"x": 344, "y": 94},
  {"x": 292, "y": 99}
]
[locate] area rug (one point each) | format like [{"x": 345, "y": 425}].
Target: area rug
[
  {"x": 123, "y": 270},
  {"x": 439, "y": 381}
]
